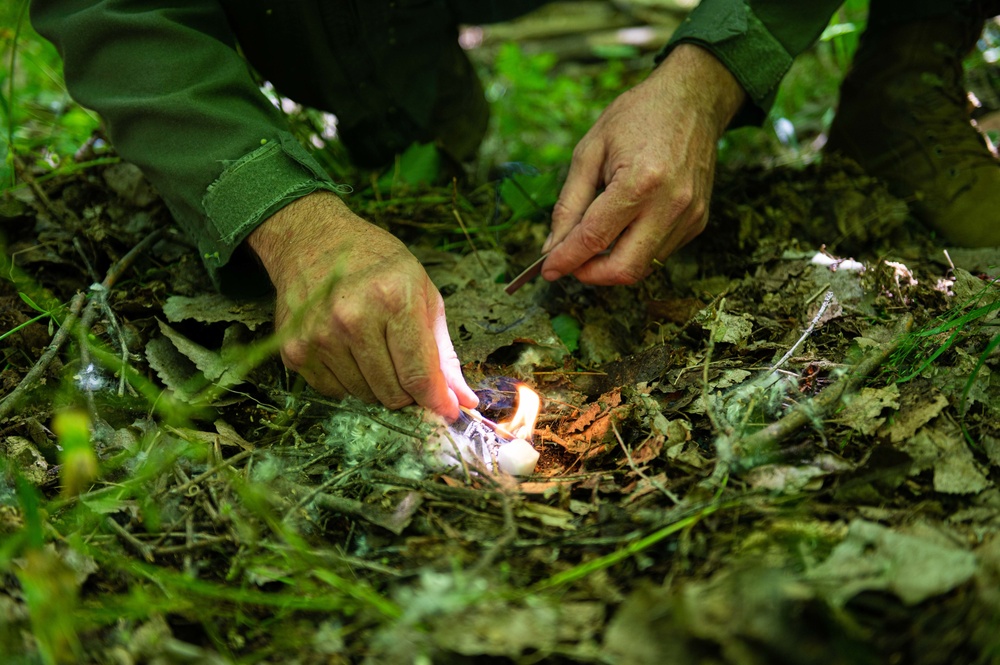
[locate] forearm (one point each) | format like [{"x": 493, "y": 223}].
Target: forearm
[
  {"x": 292, "y": 235},
  {"x": 179, "y": 102},
  {"x": 756, "y": 40}
]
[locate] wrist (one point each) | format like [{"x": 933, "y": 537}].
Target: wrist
[
  {"x": 701, "y": 77},
  {"x": 300, "y": 228}
]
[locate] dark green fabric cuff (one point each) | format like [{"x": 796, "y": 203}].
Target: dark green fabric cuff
[
  {"x": 732, "y": 32},
  {"x": 252, "y": 189}
]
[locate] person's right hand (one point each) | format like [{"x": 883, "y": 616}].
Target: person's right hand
[
  {"x": 358, "y": 313},
  {"x": 640, "y": 181}
]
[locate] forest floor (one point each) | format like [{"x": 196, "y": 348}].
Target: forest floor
[{"x": 784, "y": 446}]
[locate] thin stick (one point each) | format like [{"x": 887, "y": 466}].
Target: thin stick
[
  {"x": 503, "y": 542},
  {"x": 238, "y": 457},
  {"x": 628, "y": 456},
  {"x": 483, "y": 420},
  {"x": 143, "y": 549},
  {"x": 35, "y": 373},
  {"x": 461, "y": 223},
  {"x": 812, "y": 325}
]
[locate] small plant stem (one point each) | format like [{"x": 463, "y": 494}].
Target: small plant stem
[
  {"x": 66, "y": 217},
  {"x": 143, "y": 550},
  {"x": 459, "y": 494},
  {"x": 608, "y": 560},
  {"x": 23, "y": 325},
  {"x": 10, "y": 87},
  {"x": 238, "y": 457}
]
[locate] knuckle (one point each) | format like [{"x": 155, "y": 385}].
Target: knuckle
[
  {"x": 394, "y": 402},
  {"x": 630, "y": 274},
  {"x": 594, "y": 240},
  {"x": 347, "y": 318},
  {"x": 699, "y": 213},
  {"x": 416, "y": 383},
  {"x": 685, "y": 200},
  {"x": 647, "y": 180},
  {"x": 295, "y": 355},
  {"x": 561, "y": 212},
  {"x": 390, "y": 294}
]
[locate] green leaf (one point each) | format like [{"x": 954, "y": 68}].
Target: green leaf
[
  {"x": 419, "y": 165},
  {"x": 525, "y": 194},
  {"x": 568, "y": 330},
  {"x": 31, "y": 303}
]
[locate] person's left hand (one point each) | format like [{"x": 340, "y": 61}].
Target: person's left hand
[{"x": 653, "y": 151}]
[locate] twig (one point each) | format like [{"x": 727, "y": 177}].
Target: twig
[
  {"x": 315, "y": 491},
  {"x": 66, "y": 216},
  {"x": 749, "y": 448},
  {"x": 628, "y": 456},
  {"x": 187, "y": 548},
  {"x": 394, "y": 521},
  {"x": 115, "y": 272},
  {"x": 86, "y": 321},
  {"x": 461, "y": 223},
  {"x": 188, "y": 542},
  {"x": 35, "y": 373},
  {"x": 812, "y": 326},
  {"x": 144, "y": 550},
  {"x": 723, "y": 445},
  {"x": 439, "y": 489},
  {"x": 238, "y": 457},
  {"x": 503, "y": 542}
]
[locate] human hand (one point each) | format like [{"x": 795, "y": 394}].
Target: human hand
[
  {"x": 653, "y": 152},
  {"x": 356, "y": 310}
]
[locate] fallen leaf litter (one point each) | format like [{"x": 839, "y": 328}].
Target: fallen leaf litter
[{"x": 685, "y": 460}]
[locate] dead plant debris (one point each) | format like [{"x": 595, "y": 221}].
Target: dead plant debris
[{"x": 714, "y": 484}]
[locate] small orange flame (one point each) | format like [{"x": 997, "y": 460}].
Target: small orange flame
[{"x": 522, "y": 424}]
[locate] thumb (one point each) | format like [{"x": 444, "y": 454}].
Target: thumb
[{"x": 451, "y": 367}]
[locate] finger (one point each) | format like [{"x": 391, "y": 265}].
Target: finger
[
  {"x": 577, "y": 192},
  {"x": 603, "y": 222},
  {"x": 340, "y": 363},
  {"x": 451, "y": 366},
  {"x": 323, "y": 381},
  {"x": 414, "y": 354},
  {"x": 632, "y": 257},
  {"x": 371, "y": 354},
  {"x": 693, "y": 232}
]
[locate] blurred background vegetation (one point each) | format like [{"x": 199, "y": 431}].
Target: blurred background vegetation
[{"x": 542, "y": 106}]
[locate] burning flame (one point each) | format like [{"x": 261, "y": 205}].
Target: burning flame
[{"x": 522, "y": 424}]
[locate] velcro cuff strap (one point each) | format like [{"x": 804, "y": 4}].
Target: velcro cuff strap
[
  {"x": 732, "y": 32},
  {"x": 253, "y": 188}
]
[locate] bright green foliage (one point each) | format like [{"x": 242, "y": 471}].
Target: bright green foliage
[
  {"x": 78, "y": 461},
  {"x": 541, "y": 115},
  {"x": 419, "y": 165},
  {"x": 526, "y": 194},
  {"x": 38, "y": 115},
  {"x": 568, "y": 330}
]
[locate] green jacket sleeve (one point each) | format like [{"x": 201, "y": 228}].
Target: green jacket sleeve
[
  {"x": 756, "y": 40},
  {"x": 179, "y": 101}
]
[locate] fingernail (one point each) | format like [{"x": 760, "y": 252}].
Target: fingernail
[{"x": 548, "y": 242}]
